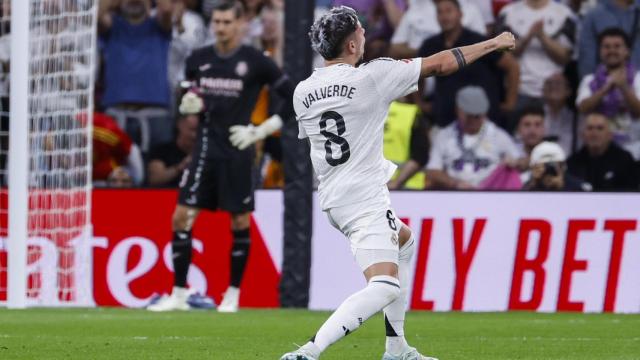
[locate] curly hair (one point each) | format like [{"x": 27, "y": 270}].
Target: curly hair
[{"x": 330, "y": 31}]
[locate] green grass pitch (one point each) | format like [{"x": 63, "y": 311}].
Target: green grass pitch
[{"x": 266, "y": 334}]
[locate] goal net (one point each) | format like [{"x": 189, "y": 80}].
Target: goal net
[{"x": 45, "y": 151}]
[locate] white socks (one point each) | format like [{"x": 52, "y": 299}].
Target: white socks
[
  {"x": 356, "y": 309},
  {"x": 394, "y": 313},
  {"x": 180, "y": 293}
]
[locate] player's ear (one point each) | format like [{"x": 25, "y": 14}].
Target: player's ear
[{"x": 351, "y": 46}]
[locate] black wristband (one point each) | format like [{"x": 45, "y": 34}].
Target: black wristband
[{"x": 459, "y": 57}]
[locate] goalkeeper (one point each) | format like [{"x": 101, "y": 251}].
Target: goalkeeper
[{"x": 227, "y": 78}]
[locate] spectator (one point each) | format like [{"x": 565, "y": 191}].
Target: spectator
[
  {"x": 613, "y": 90},
  {"x": 607, "y": 14},
  {"x": 486, "y": 9},
  {"x": 487, "y": 73},
  {"x": 272, "y": 40},
  {"x": 559, "y": 120},
  {"x": 530, "y": 133},
  {"x": 580, "y": 7},
  {"x": 601, "y": 162},
  {"x": 113, "y": 150},
  {"x": 120, "y": 178},
  {"x": 136, "y": 52},
  {"x": 254, "y": 25},
  {"x": 467, "y": 151},
  {"x": 5, "y": 55},
  {"x": 545, "y": 31},
  {"x": 167, "y": 161},
  {"x": 549, "y": 170},
  {"x": 421, "y": 22},
  {"x": 406, "y": 143},
  {"x": 188, "y": 33},
  {"x": 379, "y": 18}
]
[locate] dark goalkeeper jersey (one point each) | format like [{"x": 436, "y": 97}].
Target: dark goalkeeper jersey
[{"x": 229, "y": 85}]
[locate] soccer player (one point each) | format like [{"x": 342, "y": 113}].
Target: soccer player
[
  {"x": 341, "y": 108},
  {"x": 228, "y": 77}
]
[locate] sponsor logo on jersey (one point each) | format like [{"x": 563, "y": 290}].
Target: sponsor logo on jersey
[{"x": 221, "y": 86}]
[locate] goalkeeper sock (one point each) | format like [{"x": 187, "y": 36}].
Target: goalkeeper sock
[
  {"x": 239, "y": 255},
  {"x": 181, "y": 247},
  {"x": 356, "y": 309},
  {"x": 394, "y": 313}
]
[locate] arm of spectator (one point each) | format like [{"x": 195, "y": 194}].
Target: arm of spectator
[
  {"x": 629, "y": 92},
  {"x": 159, "y": 174},
  {"x": 588, "y": 101},
  {"x": 135, "y": 165},
  {"x": 393, "y": 11},
  {"x": 164, "y": 14},
  {"x": 449, "y": 61},
  {"x": 441, "y": 180},
  {"x": 405, "y": 172},
  {"x": 509, "y": 65},
  {"x": 523, "y": 42},
  {"x": 402, "y": 51},
  {"x": 105, "y": 18},
  {"x": 400, "y": 48},
  {"x": 556, "y": 51}
]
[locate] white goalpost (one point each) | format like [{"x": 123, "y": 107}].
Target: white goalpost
[{"x": 45, "y": 171}]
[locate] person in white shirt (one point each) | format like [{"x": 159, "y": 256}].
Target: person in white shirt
[
  {"x": 420, "y": 22},
  {"x": 342, "y": 109},
  {"x": 469, "y": 150},
  {"x": 613, "y": 89},
  {"x": 545, "y": 32}
]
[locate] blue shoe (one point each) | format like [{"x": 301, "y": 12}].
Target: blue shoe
[{"x": 199, "y": 301}]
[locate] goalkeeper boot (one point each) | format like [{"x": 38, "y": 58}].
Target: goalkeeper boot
[
  {"x": 176, "y": 301},
  {"x": 298, "y": 355},
  {"x": 230, "y": 300},
  {"x": 410, "y": 354}
]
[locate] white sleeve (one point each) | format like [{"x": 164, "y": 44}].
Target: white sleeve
[
  {"x": 584, "y": 90},
  {"x": 302, "y": 134},
  {"x": 394, "y": 78},
  {"x": 401, "y": 33},
  {"x": 509, "y": 148},
  {"x": 436, "y": 155}
]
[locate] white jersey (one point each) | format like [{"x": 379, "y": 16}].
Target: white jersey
[
  {"x": 471, "y": 158},
  {"x": 342, "y": 110}
]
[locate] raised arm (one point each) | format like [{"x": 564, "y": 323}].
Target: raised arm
[
  {"x": 105, "y": 19},
  {"x": 449, "y": 61},
  {"x": 164, "y": 14}
]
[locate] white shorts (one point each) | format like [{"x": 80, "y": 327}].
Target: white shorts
[{"x": 369, "y": 225}]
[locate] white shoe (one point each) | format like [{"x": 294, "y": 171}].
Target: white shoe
[
  {"x": 176, "y": 301},
  {"x": 410, "y": 354},
  {"x": 230, "y": 300},
  {"x": 298, "y": 355}
]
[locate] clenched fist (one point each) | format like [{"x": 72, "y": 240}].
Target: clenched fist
[{"x": 505, "y": 41}]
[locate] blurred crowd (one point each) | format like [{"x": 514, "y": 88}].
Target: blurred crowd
[{"x": 561, "y": 112}]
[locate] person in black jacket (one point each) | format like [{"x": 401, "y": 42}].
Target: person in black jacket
[{"x": 601, "y": 162}]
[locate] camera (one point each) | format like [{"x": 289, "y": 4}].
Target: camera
[{"x": 550, "y": 169}]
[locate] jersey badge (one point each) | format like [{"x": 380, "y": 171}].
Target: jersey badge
[{"x": 242, "y": 68}]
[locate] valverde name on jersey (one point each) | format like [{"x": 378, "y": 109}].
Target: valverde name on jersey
[{"x": 327, "y": 92}]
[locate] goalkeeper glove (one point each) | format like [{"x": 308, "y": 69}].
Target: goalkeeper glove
[
  {"x": 191, "y": 104},
  {"x": 242, "y": 136}
]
